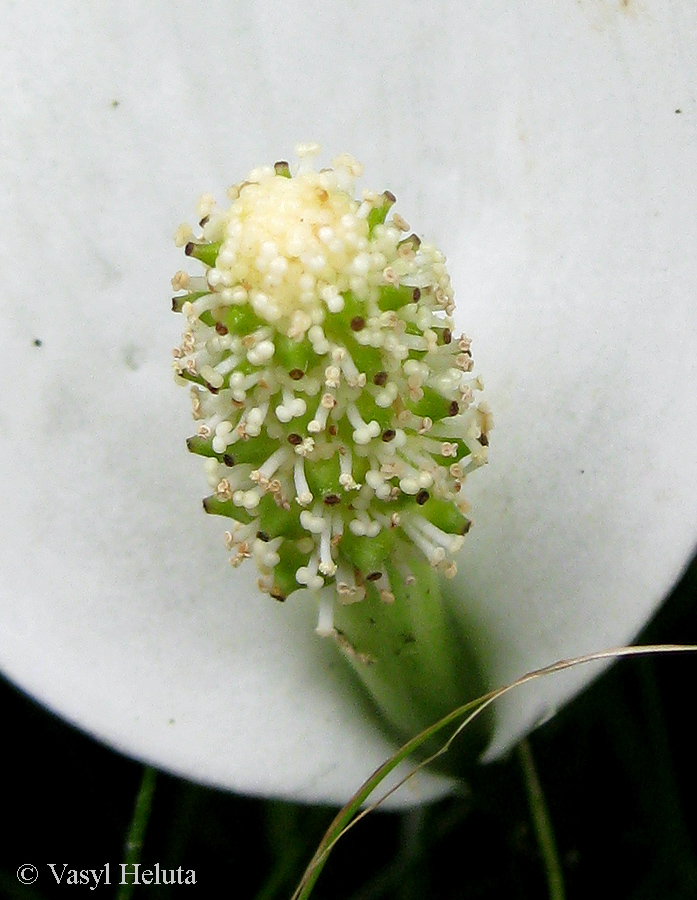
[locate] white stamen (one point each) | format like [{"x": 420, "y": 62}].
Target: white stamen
[
  {"x": 354, "y": 378},
  {"x": 363, "y": 433},
  {"x": 261, "y": 353},
  {"x": 270, "y": 467},
  {"x": 238, "y": 533},
  {"x": 327, "y": 566},
  {"x": 363, "y": 525},
  {"x": 332, "y": 377},
  {"x": 302, "y": 489},
  {"x": 291, "y": 408},
  {"x": 307, "y": 575},
  {"x": 434, "y": 554},
  {"x": 319, "y": 423},
  {"x": 325, "y": 620},
  {"x": 345, "y": 466},
  {"x": 255, "y": 419},
  {"x": 247, "y": 499},
  {"x": 319, "y": 342},
  {"x": 209, "y": 375},
  {"x": 314, "y": 521},
  {"x": 387, "y": 396},
  {"x": 264, "y": 552}
]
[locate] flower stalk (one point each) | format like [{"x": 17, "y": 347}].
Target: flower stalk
[{"x": 413, "y": 657}]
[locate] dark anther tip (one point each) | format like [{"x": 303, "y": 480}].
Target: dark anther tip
[
  {"x": 332, "y": 499},
  {"x": 484, "y": 440},
  {"x": 380, "y": 378},
  {"x": 375, "y": 576},
  {"x": 294, "y": 439},
  {"x": 228, "y": 459},
  {"x": 422, "y": 497},
  {"x": 388, "y": 435},
  {"x": 277, "y": 595},
  {"x": 263, "y": 536},
  {"x": 204, "y": 221},
  {"x": 454, "y": 408},
  {"x": 189, "y": 249},
  {"x": 447, "y": 335},
  {"x": 357, "y": 323},
  {"x": 296, "y": 374},
  {"x": 220, "y": 328},
  {"x": 390, "y": 196}
]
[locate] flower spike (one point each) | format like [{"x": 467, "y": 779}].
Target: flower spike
[{"x": 334, "y": 404}]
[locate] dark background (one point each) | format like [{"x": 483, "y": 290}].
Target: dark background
[{"x": 617, "y": 767}]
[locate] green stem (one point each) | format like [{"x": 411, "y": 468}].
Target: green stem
[
  {"x": 413, "y": 658},
  {"x": 541, "y": 822},
  {"x": 136, "y": 830}
]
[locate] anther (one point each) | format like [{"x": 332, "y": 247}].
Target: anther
[
  {"x": 454, "y": 408},
  {"x": 296, "y": 374},
  {"x": 220, "y": 328},
  {"x": 332, "y": 500},
  {"x": 357, "y": 323},
  {"x": 380, "y": 378},
  {"x": 295, "y": 439},
  {"x": 388, "y": 435},
  {"x": 228, "y": 459}
]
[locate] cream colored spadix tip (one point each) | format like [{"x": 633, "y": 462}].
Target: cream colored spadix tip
[{"x": 334, "y": 403}]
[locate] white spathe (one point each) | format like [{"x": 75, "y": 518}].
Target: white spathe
[{"x": 549, "y": 150}]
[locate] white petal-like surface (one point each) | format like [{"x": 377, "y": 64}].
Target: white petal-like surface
[{"x": 541, "y": 148}]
